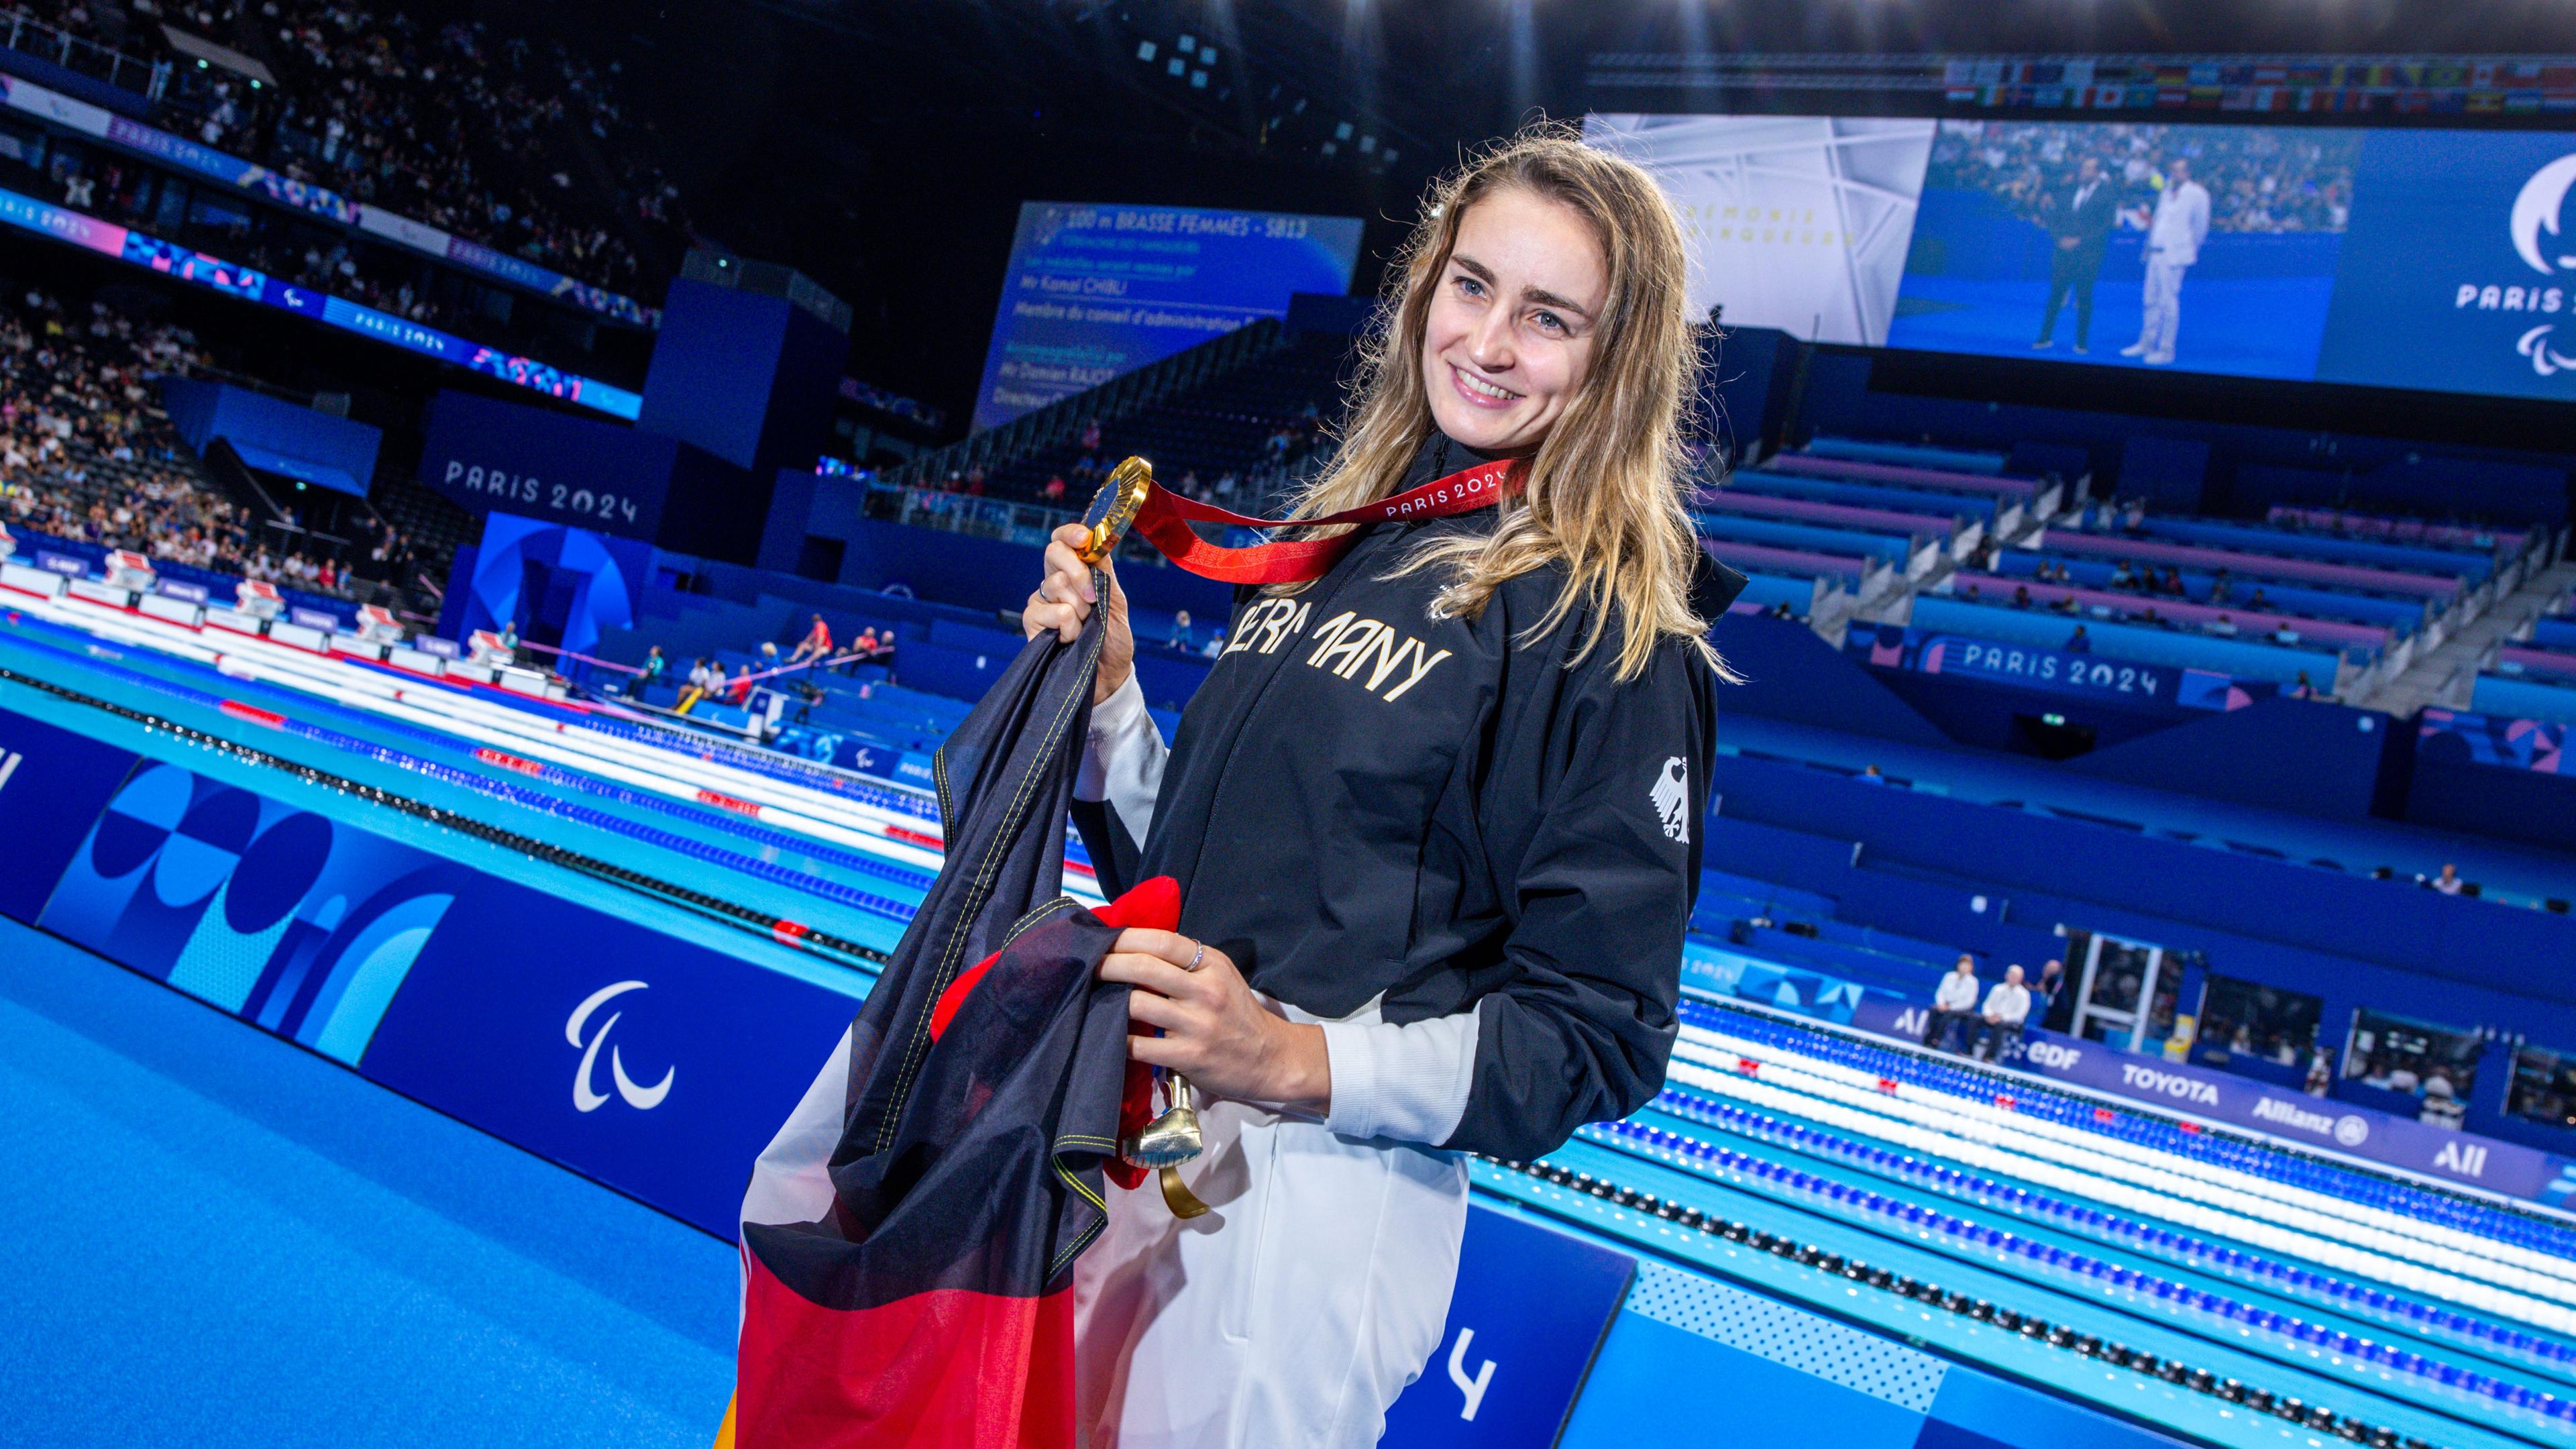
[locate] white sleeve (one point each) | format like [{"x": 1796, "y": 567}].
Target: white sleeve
[
  {"x": 1122, "y": 762},
  {"x": 1402, "y": 1083}
]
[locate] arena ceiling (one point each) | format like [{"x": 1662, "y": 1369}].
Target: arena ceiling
[{"x": 884, "y": 147}]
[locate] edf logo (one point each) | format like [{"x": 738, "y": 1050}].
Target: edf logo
[{"x": 2053, "y": 1056}]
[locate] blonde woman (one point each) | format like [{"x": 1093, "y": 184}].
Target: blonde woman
[{"x": 1435, "y": 817}]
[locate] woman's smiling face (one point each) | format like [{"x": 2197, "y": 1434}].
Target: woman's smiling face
[{"x": 1509, "y": 338}]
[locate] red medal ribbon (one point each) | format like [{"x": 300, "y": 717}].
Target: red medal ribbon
[{"x": 1165, "y": 520}]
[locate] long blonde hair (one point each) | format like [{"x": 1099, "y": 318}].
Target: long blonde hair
[{"x": 1603, "y": 493}]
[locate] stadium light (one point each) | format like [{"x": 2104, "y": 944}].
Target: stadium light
[{"x": 1145, "y": 50}]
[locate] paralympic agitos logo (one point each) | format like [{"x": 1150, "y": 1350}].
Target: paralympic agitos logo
[
  {"x": 2534, "y": 228},
  {"x": 586, "y": 1097}
]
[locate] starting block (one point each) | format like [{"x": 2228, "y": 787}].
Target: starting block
[{"x": 258, "y": 598}]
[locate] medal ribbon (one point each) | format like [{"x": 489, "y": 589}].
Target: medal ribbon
[{"x": 1165, "y": 518}]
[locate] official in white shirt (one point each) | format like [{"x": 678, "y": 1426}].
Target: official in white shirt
[
  {"x": 1955, "y": 1001},
  {"x": 2007, "y": 1007},
  {"x": 2181, "y": 224}
]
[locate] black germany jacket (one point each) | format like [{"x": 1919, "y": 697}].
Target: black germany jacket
[{"x": 1365, "y": 802}]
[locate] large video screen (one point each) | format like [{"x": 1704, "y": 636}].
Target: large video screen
[
  {"x": 1796, "y": 222},
  {"x": 2429, "y": 259},
  {"x": 1095, "y": 291},
  {"x": 2047, "y": 236}
]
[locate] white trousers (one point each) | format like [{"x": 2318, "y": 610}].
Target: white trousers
[
  {"x": 1291, "y": 1314},
  {"x": 2163, "y": 300}
]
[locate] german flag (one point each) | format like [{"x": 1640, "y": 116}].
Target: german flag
[{"x": 908, "y": 1237}]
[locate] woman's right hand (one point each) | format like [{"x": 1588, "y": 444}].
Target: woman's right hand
[{"x": 1064, "y": 600}]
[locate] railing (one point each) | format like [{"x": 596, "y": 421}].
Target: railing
[
  {"x": 921, "y": 507},
  {"x": 262, "y": 386},
  {"x": 30, "y": 36},
  {"x": 1120, "y": 397},
  {"x": 1029, "y": 524}
]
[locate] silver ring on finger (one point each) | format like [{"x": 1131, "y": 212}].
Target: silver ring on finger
[{"x": 1198, "y": 957}]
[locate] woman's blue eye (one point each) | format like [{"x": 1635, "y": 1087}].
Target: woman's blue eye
[
  {"x": 1551, "y": 320},
  {"x": 1472, "y": 286}
]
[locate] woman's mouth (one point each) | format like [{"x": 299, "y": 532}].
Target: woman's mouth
[{"x": 1480, "y": 392}]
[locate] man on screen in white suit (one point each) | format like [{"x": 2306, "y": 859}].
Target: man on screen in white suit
[{"x": 2173, "y": 243}]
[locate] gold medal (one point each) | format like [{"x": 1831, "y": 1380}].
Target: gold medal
[
  {"x": 1114, "y": 507},
  {"x": 1166, "y": 1143}
]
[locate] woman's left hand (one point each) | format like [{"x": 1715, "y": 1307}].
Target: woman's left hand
[{"x": 1214, "y": 1030}]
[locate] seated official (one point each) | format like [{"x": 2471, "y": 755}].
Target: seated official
[
  {"x": 2007, "y": 1007},
  {"x": 1956, "y": 999}
]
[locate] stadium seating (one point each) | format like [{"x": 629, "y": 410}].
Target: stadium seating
[
  {"x": 450, "y": 124},
  {"x": 91, "y": 462},
  {"x": 2254, "y": 724}
]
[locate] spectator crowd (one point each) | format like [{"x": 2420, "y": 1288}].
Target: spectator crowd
[
  {"x": 2260, "y": 179},
  {"x": 88, "y": 455},
  {"x": 447, "y": 124}
]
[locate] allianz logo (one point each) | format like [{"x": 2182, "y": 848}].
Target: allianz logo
[
  {"x": 2348, "y": 1130},
  {"x": 2468, "y": 1159},
  {"x": 2168, "y": 1084},
  {"x": 585, "y": 1095}
]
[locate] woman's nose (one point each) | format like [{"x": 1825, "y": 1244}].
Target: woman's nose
[{"x": 1490, "y": 345}]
